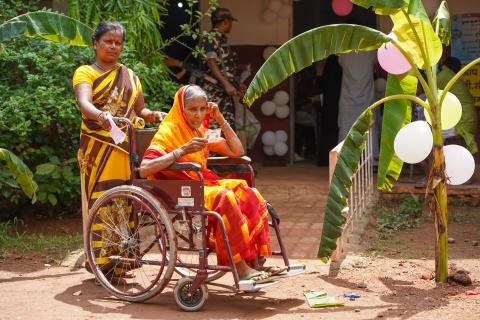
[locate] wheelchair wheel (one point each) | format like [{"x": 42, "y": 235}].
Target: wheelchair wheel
[
  {"x": 186, "y": 300},
  {"x": 126, "y": 227}
]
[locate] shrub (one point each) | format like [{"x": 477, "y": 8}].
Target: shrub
[{"x": 40, "y": 121}]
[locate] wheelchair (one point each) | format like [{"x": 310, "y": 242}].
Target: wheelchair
[{"x": 139, "y": 234}]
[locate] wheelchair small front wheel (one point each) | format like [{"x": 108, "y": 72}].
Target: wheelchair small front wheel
[{"x": 190, "y": 301}]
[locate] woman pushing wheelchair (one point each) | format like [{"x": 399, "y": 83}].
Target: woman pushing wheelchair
[{"x": 181, "y": 137}]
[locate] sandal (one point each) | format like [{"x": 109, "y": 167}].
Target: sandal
[
  {"x": 258, "y": 274},
  {"x": 274, "y": 270}
]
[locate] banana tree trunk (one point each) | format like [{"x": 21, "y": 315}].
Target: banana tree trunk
[{"x": 438, "y": 207}]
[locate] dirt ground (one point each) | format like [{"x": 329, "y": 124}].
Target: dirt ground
[{"x": 387, "y": 275}]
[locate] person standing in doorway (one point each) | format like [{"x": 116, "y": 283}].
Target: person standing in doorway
[
  {"x": 220, "y": 63},
  {"x": 357, "y": 92}
]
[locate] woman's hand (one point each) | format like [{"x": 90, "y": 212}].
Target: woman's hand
[
  {"x": 158, "y": 116},
  {"x": 194, "y": 145},
  {"x": 102, "y": 121},
  {"x": 215, "y": 112}
]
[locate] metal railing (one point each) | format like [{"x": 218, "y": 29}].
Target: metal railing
[{"x": 361, "y": 191}]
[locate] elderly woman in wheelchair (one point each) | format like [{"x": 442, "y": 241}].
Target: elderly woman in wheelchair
[
  {"x": 139, "y": 233},
  {"x": 181, "y": 137}
]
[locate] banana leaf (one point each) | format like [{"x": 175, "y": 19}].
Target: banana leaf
[
  {"x": 442, "y": 23},
  {"x": 408, "y": 25},
  {"x": 347, "y": 163},
  {"x": 11, "y": 27},
  {"x": 308, "y": 47},
  {"x": 396, "y": 114},
  {"x": 21, "y": 173},
  {"x": 382, "y": 7},
  {"x": 49, "y": 25}
]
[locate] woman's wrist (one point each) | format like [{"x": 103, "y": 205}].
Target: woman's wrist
[
  {"x": 224, "y": 125},
  {"x": 101, "y": 117},
  {"x": 178, "y": 153}
]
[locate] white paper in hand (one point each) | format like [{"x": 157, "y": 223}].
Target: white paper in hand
[
  {"x": 213, "y": 135},
  {"x": 116, "y": 133}
]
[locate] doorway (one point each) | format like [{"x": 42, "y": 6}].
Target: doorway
[{"x": 317, "y": 88}]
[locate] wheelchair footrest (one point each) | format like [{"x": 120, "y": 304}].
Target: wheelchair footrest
[
  {"x": 252, "y": 286},
  {"x": 294, "y": 270}
]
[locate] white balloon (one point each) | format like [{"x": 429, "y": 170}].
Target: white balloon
[
  {"x": 282, "y": 111},
  {"x": 380, "y": 85},
  {"x": 268, "y": 51},
  {"x": 275, "y": 5},
  {"x": 268, "y": 138},
  {"x": 268, "y": 150},
  {"x": 281, "y": 136},
  {"x": 285, "y": 12},
  {"x": 451, "y": 111},
  {"x": 268, "y": 108},
  {"x": 413, "y": 143},
  {"x": 280, "y": 149},
  {"x": 459, "y": 164},
  {"x": 269, "y": 16},
  {"x": 281, "y": 97}
]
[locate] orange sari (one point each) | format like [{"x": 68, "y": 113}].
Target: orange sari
[{"x": 243, "y": 209}]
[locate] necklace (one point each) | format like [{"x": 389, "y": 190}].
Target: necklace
[{"x": 99, "y": 67}]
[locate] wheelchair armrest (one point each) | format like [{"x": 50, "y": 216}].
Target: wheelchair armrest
[
  {"x": 228, "y": 161},
  {"x": 185, "y": 166}
]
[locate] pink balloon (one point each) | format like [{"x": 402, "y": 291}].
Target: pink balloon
[
  {"x": 392, "y": 60},
  {"x": 342, "y": 7}
]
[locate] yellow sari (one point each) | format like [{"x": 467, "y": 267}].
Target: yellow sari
[{"x": 103, "y": 164}]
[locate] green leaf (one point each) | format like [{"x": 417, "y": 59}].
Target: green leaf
[
  {"x": 45, "y": 169},
  {"x": 339, "y": 190},
  {"x": 308, "y": 47},
  {"x": 51, "y": 26},
  {"x": 11, "y": 27},
  {"x": 20, "y": 171},
  {"x": 396, "y": 114},
  {"x": 415, "y": 33},
  {"x": 382, "y": 7},
  {"x": 442, "y": 23},
  {"x": 52, "y": 199},
  {"x": 416, "y": 8}
]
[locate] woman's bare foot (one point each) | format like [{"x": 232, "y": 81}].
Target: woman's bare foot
[
  {"x": 247, "y": 273},
  {"x": 273, "y": 270}
]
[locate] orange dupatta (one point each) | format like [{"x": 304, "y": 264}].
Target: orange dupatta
[{"x": 173, "y": 133}]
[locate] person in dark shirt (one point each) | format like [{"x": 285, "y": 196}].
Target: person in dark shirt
[{"x": 220, "y": 63}]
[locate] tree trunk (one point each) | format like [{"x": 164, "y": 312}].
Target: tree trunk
[{"x": 438, "y": 208}]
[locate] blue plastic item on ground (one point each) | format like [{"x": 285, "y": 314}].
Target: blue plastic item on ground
[{"x": 351, "y": 295}]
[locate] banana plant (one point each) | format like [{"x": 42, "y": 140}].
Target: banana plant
[
  {"x": 23, "y": 176},
  {"x": 420, "y": 41},
  {"x": 51, "y": 26},
  {"x": 48, "y": 25}
]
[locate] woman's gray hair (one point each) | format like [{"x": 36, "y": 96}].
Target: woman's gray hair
[{"x": 194, "y": 93}]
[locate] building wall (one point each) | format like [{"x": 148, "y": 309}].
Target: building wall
[{"x": 251, "y": 29}]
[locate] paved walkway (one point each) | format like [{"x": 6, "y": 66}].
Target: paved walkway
[{"x": 298, "y": 194}]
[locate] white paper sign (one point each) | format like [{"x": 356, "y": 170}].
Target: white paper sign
[
  {"x": 186, "y": 202},
  {"x": 116, "y": 133},
  {"x": 213, "y": 134}
]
